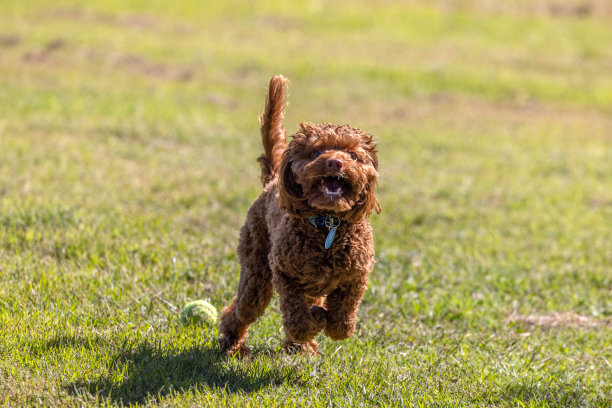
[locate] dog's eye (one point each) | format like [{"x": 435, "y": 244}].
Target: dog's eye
[
  {"x": 316, "y": 154},
  {"x": 353, "y": 155}
]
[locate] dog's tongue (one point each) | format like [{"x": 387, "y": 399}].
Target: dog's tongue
[{"x": 332, "y": 184}]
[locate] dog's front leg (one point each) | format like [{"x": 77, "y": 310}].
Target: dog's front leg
[
  {"x": 299, "y": 323},
  {"x": 342, "y": 305}
]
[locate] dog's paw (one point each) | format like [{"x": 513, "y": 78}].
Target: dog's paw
[
  {"x": 240, "y": 350},
  {"x": 339, "y": 330},
  {"x": 234, "y": 347},
  {"x": 310, "y": 347},
  {"x": 319, "y": 315}
]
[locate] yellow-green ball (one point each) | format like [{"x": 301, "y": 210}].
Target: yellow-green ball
[{"x": 199, "y": 311}]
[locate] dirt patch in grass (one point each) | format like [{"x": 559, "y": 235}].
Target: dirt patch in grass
[
  {"x": 554, "y": 320},
  {"x": 135, "y": 64},
  {"x": 88, "y": 16},
  {"x": 44, "y": 54},
  {"x": 140, "y": 65},
  {"x": 551, "y": 8},
  {"x": 600, "y": 203},
  {"x": 136, "y": 21},
  {"x": 278, "y": 22},
  {"x": 569, "y": 10},
  {"x": 475, "y": 109},
  {"x": 9, "y": 40},
  {"x": 574, "y": 9}
]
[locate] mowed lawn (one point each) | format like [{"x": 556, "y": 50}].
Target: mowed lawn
[{"x": 128, "y": 146}]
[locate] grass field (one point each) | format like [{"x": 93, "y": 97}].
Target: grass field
[{"x": 128, "y": 146}]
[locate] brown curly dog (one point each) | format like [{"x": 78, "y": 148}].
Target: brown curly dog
[{"x": 307, "y": 235}]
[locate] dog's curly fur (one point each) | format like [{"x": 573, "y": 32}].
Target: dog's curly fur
[{"x": 325, "y": 170}]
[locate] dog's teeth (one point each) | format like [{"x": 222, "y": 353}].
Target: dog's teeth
[{"x": 331, "y": 193}]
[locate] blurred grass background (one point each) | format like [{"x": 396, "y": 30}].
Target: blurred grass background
[{"x": 128, "y": 139}]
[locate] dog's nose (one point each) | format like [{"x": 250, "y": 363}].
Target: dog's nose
[{"x": 333, "y": 164}]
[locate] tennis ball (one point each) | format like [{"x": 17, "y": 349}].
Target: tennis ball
[{"x": 199, "y": 311}]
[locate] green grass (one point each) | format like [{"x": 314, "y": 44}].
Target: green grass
[{"x": 128, "y": 139}]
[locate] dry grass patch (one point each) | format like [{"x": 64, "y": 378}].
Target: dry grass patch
[
  {"x": 553, "y": 320},
  {"x": 551, "y": 8}
]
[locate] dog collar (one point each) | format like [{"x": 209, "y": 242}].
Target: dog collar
[{"x": 330, "y": 222}]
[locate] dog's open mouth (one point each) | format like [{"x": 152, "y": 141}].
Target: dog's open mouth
[{"x": 332, "y": 186}]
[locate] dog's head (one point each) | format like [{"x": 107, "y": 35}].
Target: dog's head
[{"x": 329, "y": 169}]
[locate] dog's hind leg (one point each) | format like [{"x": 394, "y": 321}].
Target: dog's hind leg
[{"x": 254, "y": 290}]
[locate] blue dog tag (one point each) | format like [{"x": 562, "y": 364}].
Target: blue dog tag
[
  {"x": 329, "y": 222},
  {"x": 332, "y": 226},
  {"x": 330, "y": 237}
]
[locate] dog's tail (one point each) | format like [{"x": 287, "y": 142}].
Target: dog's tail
[{"x": 272, "y": 130}]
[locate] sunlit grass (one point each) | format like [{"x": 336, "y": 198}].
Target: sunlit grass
[{"x": 128, "y": 139}]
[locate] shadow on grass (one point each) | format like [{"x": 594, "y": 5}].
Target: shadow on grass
[
  {"x": 39, "y": 347},
  {"x": 153, "y": 372}
]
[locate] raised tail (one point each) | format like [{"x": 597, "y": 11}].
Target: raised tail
[{"x": 272, "y": 130}]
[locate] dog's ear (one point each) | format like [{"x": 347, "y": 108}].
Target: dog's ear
[
  {"x": 369, "y": 145},
  {"x": 367, "y": 201},
  {"x": 289, "y": 191},
  {"x": 372, "y": 152},
  {"x": 364, "y": 207}
]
